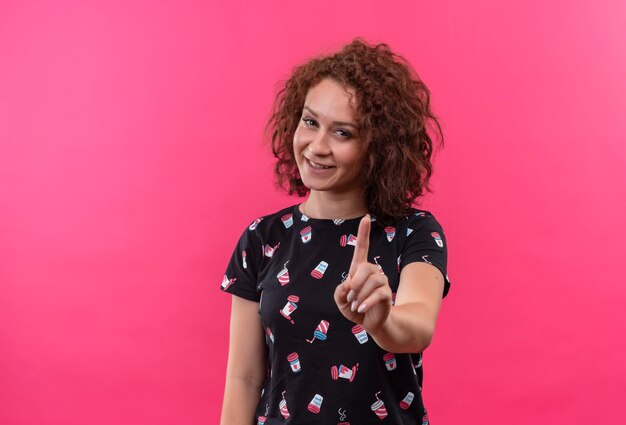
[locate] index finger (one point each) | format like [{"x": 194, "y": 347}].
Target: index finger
[{"x": 362, "y": 244}]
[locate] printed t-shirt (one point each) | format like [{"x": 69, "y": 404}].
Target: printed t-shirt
[{"x": 323, "y": 368}]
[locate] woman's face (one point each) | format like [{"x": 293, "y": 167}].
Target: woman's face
[{"x": 327, "y": 135}]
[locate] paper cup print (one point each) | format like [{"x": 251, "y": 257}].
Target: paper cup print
[
  {"x": 320, "y": 331},
  {"x": 283, "y": 275},
  {"x": 378, "y": 407},
  {"x": 316, "y": 403},
  {"x": 226, "y": 282},
  {"x": 319, "y": 271},
  {"x": 425, "y": 419},
  {"x": 409, "y": 231},
  {"x": 243, "y": 257},
  {"x": 407, "y": 400},
  {"x": 390, "y": 361},
  {"x": 437, "y": 237},
  {"x": 290, "y": 307},
  {"x": 391, "y": 232},
  {"x": 283, "y": 407},
  {"x": 347, "y": 240},
  {"x": 261, "y": 420},
  {"x": 294, "y": 362},
  {"x": 287, "y": 220},
  {"x": 305, "y": 217},
  {"x": 338, "y": 221},
  {"x": 378, "y": 265},
  {"x": 344, "y": 372},
  {"x": 269, "y": 250},
  {"x": 306, "y": 234},
  {"x": 255, "y": 223},
  {"x": 360, "y": 334},
  {"x": 268, "y": 331}
]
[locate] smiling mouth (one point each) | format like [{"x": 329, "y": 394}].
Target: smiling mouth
[{"x": 318, "y": 166}]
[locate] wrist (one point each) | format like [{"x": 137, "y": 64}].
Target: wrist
[{"x": 382, "y": 330}]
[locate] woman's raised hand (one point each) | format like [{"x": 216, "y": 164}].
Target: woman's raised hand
[{"x": 365, "y": 296}]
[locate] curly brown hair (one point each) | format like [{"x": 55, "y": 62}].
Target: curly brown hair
[{"x": 393, "y": 114}]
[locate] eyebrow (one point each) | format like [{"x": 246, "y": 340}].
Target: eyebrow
[{"x": 334, "y": 122}]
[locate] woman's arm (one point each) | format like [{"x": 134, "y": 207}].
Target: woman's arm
[
  {"x": 365, "y": 298},
  {"x": 410, "y": 326},
  {"x": 247, "y": 363}
]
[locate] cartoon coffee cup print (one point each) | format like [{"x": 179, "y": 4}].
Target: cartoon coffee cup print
[
  {"x": 316, "y": 404},
  {"x": 344, "y": 372},
  {"x": 283, "y": 407},
  {"x": 320, "y": 332},
  {"x": 283, "y": 275},
  {"x": 347, "y": 240},
  {"x": 407, "y": 400},
  {"x": 270, "y": 250},
  {"x": 380, "y": 268},
  {"x": 437, "y": 237},
  {"x": 287, "y": 220},
  {"x": 360, "y": 334},
  {"x": 290, "y": 307},
  {"x": 378, "y": 407},
  {"x": 226, "y": 282},
  {"x": 255, "y": 223},
  {"x": 306, "y": 234},
  {"x": 319, "y": 270},
  {"x": 390, "y": 232},
  {"x": 390, "y": 361},
  {"x": 294, "y": 362}
]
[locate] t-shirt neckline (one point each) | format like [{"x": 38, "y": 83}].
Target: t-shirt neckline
[{"x": 298, "y": 214}]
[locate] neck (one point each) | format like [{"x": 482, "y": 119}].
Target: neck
[{"x": 330, "y": 206}]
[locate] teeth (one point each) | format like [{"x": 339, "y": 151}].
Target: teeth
[{"x": 318, "y": 166}]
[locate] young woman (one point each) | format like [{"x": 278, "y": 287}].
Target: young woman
[{"x": 336, "y": 298}]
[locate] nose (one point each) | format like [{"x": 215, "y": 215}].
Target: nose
[{"x": 319, "y": 145}]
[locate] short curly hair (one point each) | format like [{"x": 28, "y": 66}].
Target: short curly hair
[{"x": 393, "y": 115}]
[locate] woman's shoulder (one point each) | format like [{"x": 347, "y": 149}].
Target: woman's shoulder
[
  {"x": 283, "y": 217},
  {"x": 415, "y": 219},
  {"x": 411, "y": 215}
]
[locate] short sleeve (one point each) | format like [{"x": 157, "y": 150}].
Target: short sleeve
[
  {"x": 242, "y": 271},
  {"x": 426, "y": 242}
]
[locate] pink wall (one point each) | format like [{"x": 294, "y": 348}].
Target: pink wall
[{"x": 124, "y": 130}]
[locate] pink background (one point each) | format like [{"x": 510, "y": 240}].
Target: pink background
[{"x": 131, "y": 160}]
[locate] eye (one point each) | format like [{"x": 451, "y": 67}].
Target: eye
[
  {"x": 309, "y": 121},
  {"x": 344, "y": 133}
]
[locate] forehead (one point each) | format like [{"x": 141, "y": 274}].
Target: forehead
[{"x": 329, "y": 97}]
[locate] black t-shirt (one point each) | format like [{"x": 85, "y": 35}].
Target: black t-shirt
[{"x": 323, "y": 368}]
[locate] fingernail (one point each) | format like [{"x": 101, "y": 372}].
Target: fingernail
[
  {"x": 354, "y": 305},
  {"x": 350, "y": 295},
  {"x": 362, "y": 308}
]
